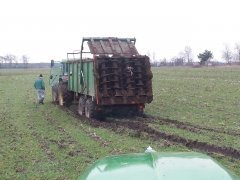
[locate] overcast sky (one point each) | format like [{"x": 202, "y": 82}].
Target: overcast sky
[{"x": 48, "y": 29}]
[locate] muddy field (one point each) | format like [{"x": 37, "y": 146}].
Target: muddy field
[
  {"x": 145, "y": 125},
  {"x": 193, "y": 110}
]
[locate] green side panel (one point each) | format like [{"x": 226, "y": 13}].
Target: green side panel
[
  {"x": 75, "y": 77},
  {"x": 88, "y": 78},
  {"x": 80, "y": 85},
  {"x": 70, "y": 77},
  {"x": 64, "y": 67},
  {"x": 81, "y": 81},
  {"x": 158, "y": 166}
]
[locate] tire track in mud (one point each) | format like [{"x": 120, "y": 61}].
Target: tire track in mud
[
  {"x": 44, "y": 145},
  {"x": 94, "y": 123},
  {"x": 44, "y": 142},
  {"x": 90, "y": 133},
  {"x": 194, "y": 144},
  {"x": 66, "y": 140},
  {"x": 194, "y": 128},
  {"x": 139, "y": 126}
]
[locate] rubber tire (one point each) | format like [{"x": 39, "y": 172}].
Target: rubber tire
[
  {"x": 90, "y": 109},
  {"x": 139, "y": 112},
  {"x": 55, "y": 94},
  {"x": 64, "y": 96},
  {"x": 81, "y": 106},
  {"x": 135, "y": 111}
]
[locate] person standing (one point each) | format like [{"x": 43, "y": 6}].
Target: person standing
[{"x": 40, "y": 87}]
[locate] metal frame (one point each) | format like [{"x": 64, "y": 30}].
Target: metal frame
[{"x": 110, "y": 39}]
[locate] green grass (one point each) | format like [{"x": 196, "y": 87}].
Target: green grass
[
  {"x": 208, "y": 96},
  {"x": 45, "y": 142}
]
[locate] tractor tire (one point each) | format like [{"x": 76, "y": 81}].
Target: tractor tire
[
  {"x": 65, "y": 97},
  {"x": 81, "y": 106},
  {"x": 55, "y": 94},
  {"x": 90, "y": 107}
]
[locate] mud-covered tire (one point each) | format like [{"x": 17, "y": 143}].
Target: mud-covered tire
[
  {"x": 135, "y": 111},
  {"x": 90, "y": 107},
  {"x": 81, "y": 106},
  {"x": 55, "y": 94},
  {"x": 138, "y": 112},
  {"x": 65, "y": 97}
]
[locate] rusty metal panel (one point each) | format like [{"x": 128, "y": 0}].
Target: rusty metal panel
[
  {"x": 112, "y": 46},
  {"x": 123, "y": 80}
]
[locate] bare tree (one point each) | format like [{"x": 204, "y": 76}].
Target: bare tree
[
  {"x": 177, "y": 61},
  {"x": 154, "y": 56},
  {"x": 149, "y": 55},
  {"x": 188, "y": 54},
  {"x": 227, "y": 54},
  {"x": 163, "y": 62},
  {"x": 1, "y": 61},
  {"x": 5, "y": 59},
  {"x": 237, "y": 52},
  {"x": 25, "y": 60},
  {"x": 10, "y": 58}
]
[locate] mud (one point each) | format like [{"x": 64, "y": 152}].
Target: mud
[
  {"x": 193, "y": 144},
  {"x": 66, "y": 142},
  {"x": 195, "y": 128},
  {"x": 20, "y": 169},
  {"x": 139, "y": 126},
  {"x": 74, "y": 153},
  {"x": 63, "y": 144},
  {"x": 44, "y": 145}
]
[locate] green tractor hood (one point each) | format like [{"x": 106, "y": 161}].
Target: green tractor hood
[{"x": 156, "y": 166}]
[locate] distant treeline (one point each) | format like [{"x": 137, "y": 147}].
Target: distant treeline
[
  {"x": 153, "y": 64},
  {"x": 190, "y": 64},
  {"x": 24, "y": 65}
]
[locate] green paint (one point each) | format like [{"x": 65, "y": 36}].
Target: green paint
[
  {"x": 79, "y": 81},
  {"x": 156, "y": 166}
]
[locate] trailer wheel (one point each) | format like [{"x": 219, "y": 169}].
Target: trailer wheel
[
  {"x": 55, "y": 94},
  {"x": 65, "y": 97},
  {"x": 90, "y": 109},
  {"x": 81, "y": 106},
  {"x": 140, "y": 113},
  {"x": 136, "y": 111}
]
